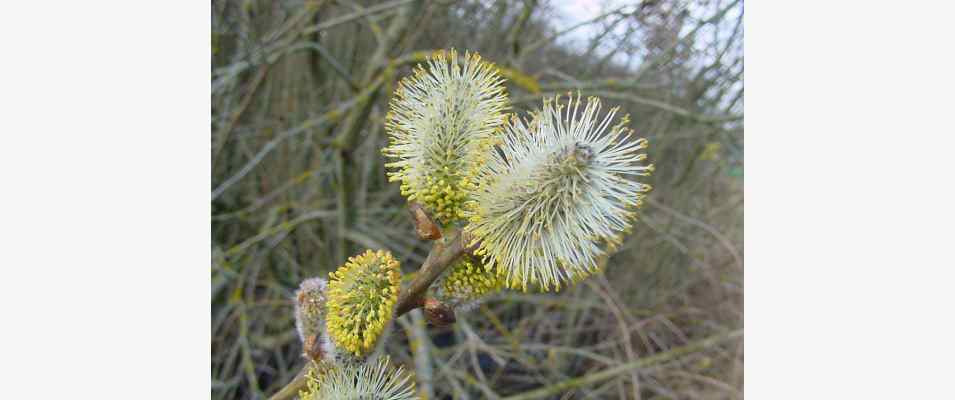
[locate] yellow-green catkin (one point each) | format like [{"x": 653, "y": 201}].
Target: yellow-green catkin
[
  {"x": 467, "y": 282},
  {"x": 361, "y": 299},
  {"x": 444, "y": 120}
]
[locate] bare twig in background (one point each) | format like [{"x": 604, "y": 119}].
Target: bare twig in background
[
  {"x": 540, "y": 43},
  {"x": 668, "y": 355},
  {"x": 420, "y": 345},
  {"x": 356, "y": 15},
  {"x": 603, "y": 291},
  {"x": 723, "y": 240}
]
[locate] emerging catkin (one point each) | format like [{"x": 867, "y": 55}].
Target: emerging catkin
[
  {"x": 442, "y": 124},
  {"x": 560, "y": 192},
  {"x": 310, "y": 309}
]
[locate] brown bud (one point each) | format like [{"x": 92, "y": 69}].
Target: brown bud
[
  {"x": 424, "y": 225},
  {"x": 438, "y": 313},
  {"x": 312, "y": 348}
]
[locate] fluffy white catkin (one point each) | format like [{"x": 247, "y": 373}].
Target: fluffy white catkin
[
  {"x": 442, "y": 124},
  {"x": 371, "y": 380},
  {"x": 560, "y": 191}
]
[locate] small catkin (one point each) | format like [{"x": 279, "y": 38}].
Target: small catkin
[
  {"x": 310, "y": 313},
  {"x": 466, "y": 283},
  {"x": 443, "y": 121},
  {"x": 361, "y": 299}
]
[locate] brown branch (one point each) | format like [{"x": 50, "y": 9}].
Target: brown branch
[{"x": 442, "y": 255}]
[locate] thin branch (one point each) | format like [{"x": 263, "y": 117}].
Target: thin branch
[
  {"x": 668, "y": 107},
  {"x": 286, "y": 226},
  {"x": 514, "y": 34},
  {"x": 420, "y": 345},
  {"x": 226, "y": 130},
  {"x": 536, "y": 45},
  {"x": 658, "y": 358},
  {"x": 331, "y": 60},
  {"x": 668, "y": 53},
  {"x": 573, "y": 84},
  {"x": 271, "y": 45},
  {"x": 355, "y": 15},
  {"x": 642, "y": 101},
  {"x": 604, "y": 293},
  {"x": 706, "y": 227},
  {"x": 272, "y": 144}
]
